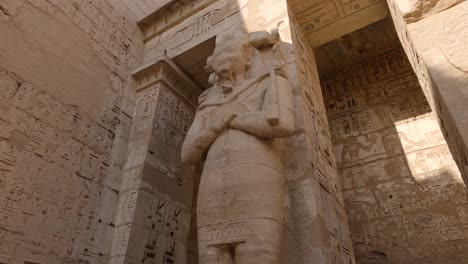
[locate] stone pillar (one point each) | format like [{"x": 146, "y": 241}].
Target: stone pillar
[
  {"x": 318, "y": 230},
  {"x": 434, "y": 36},
  {"x": 153, "y": 217}
]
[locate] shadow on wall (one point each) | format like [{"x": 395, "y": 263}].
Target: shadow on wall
[{"x": 405, "y": 199}]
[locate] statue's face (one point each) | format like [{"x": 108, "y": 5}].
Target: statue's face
[{"x": 229, "y": 60}]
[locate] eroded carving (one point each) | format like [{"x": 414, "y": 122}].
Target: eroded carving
[{"x": 401, "y": 185}]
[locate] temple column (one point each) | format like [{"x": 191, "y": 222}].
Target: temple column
[{"x": 154, "y": 212}]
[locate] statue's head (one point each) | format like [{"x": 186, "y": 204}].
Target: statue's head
[
  {"x": 230, "y": 59},
  {"x": 233, "y": 54}
]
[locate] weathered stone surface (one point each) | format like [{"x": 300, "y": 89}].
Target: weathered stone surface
[
  {"x": 415, "y": 10},
  {"x": 317, "y": 229},
  {"x": 96, "y": 98},
  {"x": 401, "y": 185},
  {"x": 323, "y": 21},
  {"x": 356, "y": 47},
  {"x": 63, "y": 128},
  {"x": 154, "y": 208},
  {"x": 435, "y": 49},
  {"x": 241, "y": 194},
  {"x": 9, "y": 9}
]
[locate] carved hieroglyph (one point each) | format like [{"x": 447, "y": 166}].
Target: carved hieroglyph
[
  {"x": 403, "y": 193},
  {"x": 326, "y": 20},
  {"x": 238, "y": 120}
]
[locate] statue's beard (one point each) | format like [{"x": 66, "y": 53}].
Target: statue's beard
[
  {"x": 227, "y": 82},
  {"x": 226, "y": 78}
]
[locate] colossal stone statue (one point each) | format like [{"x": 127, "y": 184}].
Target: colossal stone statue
[{"x": 237, "y": 126}]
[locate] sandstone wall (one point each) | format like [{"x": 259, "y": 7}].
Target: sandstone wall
[
  {"x": 404, "y": 195},
  {"x": 154, "y": 209},
  {"x": 317, "y": 223},
  {"x": 66, "y": 107},
  {"x": 434, "y": 35},
  {"x": 72, "y": 191},
  {"x": 137, "y": 9}
]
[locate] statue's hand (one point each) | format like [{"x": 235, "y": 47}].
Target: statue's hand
[
  {"x": 229, "y": 118},
  {"x": 224, "y": 123},
  {"x": 197, "y": 142}
]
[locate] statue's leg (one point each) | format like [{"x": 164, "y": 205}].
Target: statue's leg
[
  {"x": 214, "y": 255},
  {"x": 263, "y": 245}
]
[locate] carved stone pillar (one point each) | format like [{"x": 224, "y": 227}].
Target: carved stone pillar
[{"x": 153, "y": 218}]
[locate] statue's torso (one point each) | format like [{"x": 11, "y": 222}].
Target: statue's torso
[{"x": 243, "y": 174}]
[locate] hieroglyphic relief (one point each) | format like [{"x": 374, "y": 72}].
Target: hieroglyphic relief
[
  {"x": 402, "y": 185},
  {"x": 443, "y": 106},
  {"x": 212, "y": 20},
  {"x": 58, "y": 180},
  {"x": 171, "y": 14},
  {"x": 372, "y": 173},
  {"x": 192, "y": 30},
  {"x": 55, "y": 170},
  {"x": 156, "y": 231},
  {"x": 315, "y": 123},
  {"x": 167, "y": 227},
  {"x": 385, "y": 67},
  {"x": 351, "y": 124},
  {"x": 172, "y": 119},
  {"x": 154, "y": 212},
  {"x": 326, "y": 12},
  {"x": 326, "y": 20},
  {"x": 327, "y": 205}
]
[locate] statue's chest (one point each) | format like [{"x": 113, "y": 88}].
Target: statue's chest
[
  {"x": 251, "y": 99},
  {"x": 248, "y": 100}
]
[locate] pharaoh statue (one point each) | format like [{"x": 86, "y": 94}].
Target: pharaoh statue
[{"x": 236, "y": 130}]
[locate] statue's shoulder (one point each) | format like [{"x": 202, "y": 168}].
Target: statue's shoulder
[
  {"x": 276, "y": 72},
  {"x": 208, "y": 97}
]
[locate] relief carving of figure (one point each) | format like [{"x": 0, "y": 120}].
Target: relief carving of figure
[{"x": 236, "y": 129}]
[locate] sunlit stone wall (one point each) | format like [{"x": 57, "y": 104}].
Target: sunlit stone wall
[{"x": 404, "y": 195}]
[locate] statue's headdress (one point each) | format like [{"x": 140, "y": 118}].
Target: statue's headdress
[{"x": 238, "y": 43}]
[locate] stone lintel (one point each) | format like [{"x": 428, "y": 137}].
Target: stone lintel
[
  {"x": 167, "y": 72},
  {"x": 416, "y": 10},
  {"x": 324, "y": 21},
  {"x": 348, "y": 24},
  {"x": 169, "y": 15}
]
